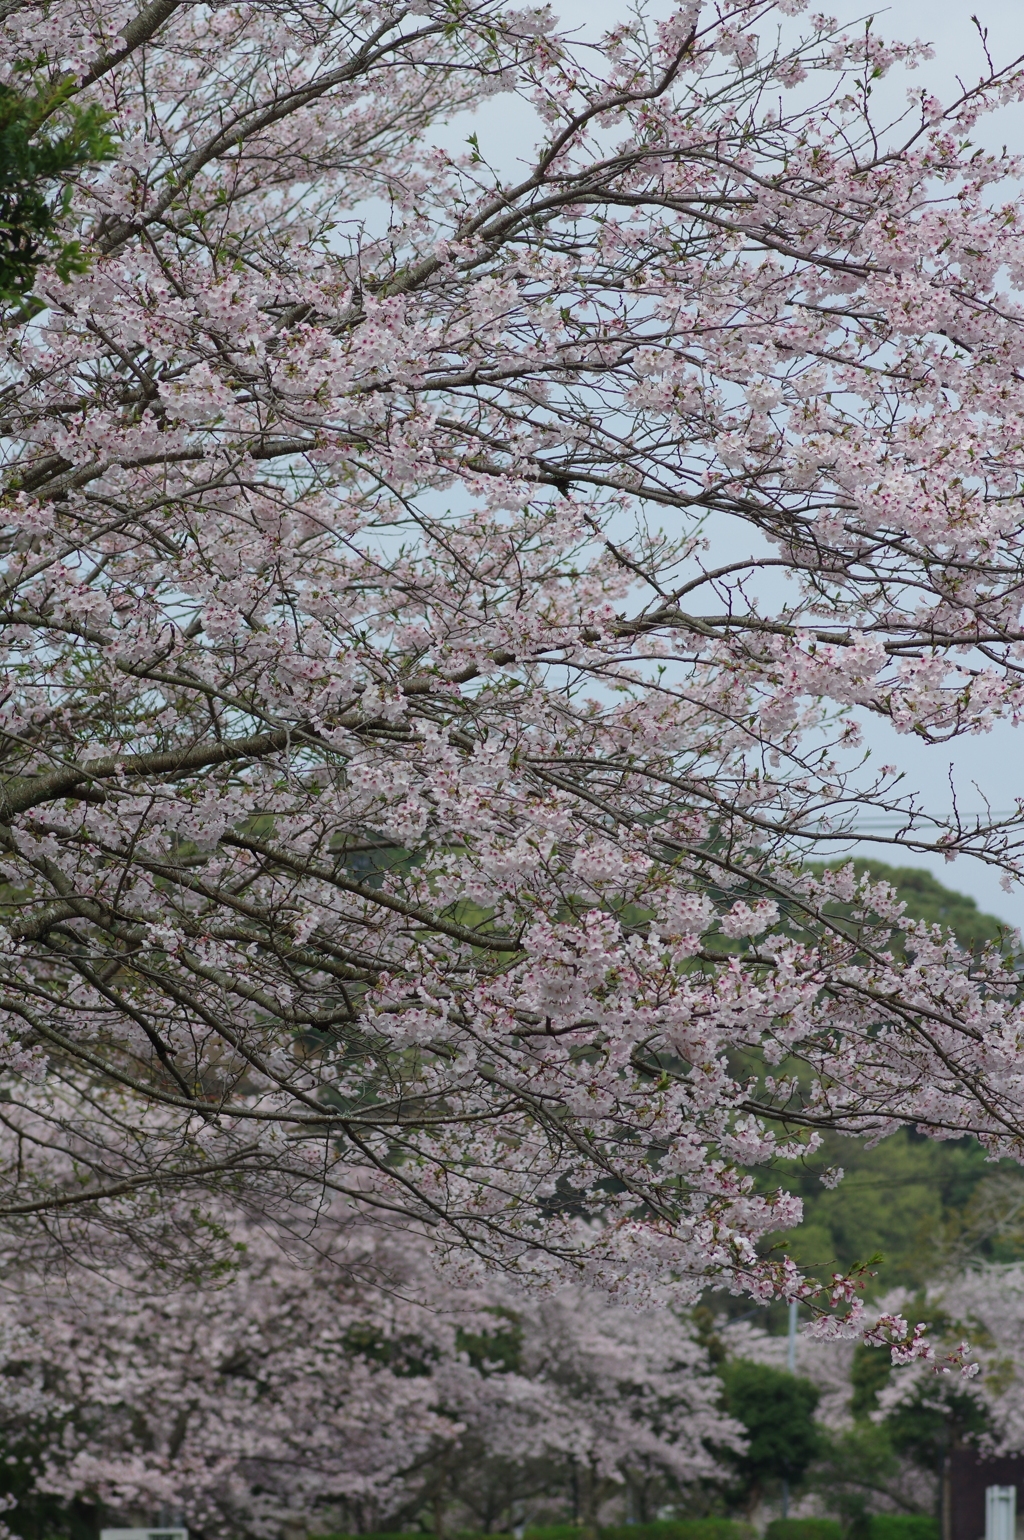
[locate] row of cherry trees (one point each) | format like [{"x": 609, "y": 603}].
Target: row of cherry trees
[
  {"x": 341, "y": 1386},
  {"x": 316, "y": 1396}
]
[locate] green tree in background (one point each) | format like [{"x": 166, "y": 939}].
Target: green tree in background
[
  {"x": 44, "y": 140},
  {"x": 898, "y": 1201},
  {"x": 777, "y": 1410}
]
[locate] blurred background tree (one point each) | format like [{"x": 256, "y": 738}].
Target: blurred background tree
[
  {"x": 777, "y": 1409},
  {"x": 45, "y": 138}
]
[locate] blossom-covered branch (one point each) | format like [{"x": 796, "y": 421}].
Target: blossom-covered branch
[{"x": 432, "y": 602}]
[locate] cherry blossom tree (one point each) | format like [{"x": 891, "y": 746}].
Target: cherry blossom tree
[
  {"x": 623, "y": 1409},
  {"x": 433, "y": 601},
  {"x": 984, "y": 1303},
  {"x": 297, "y": 1386},
  {"x": 312, "y": 1395}
]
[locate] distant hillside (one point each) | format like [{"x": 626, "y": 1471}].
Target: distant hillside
[
  {"x": 927, "y": 899},
  {"x": 910, "y": 1198}
]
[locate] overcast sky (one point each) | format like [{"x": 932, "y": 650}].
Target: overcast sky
[
  {"x": 991, "y": 765},
  {"x": 986, "y": 769}
]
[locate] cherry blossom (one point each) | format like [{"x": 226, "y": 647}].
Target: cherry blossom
[
  {"x": 343, "y": 1384},
  {"x": 980, "y": 1306},
  {"x": 434, "y": 601}
]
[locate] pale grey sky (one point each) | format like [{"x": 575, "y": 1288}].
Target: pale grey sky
[
  {"x": 988, "y": 768},
  {"x": 991, "y": 765}
]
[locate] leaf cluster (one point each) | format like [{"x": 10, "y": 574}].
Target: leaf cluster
[
  {"x": 44, "y": 139},
  {"x": 777, "y": 1409}
]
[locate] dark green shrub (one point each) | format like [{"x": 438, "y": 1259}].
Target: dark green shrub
[
  {"x": 670, "y": 1529},
  {"x": 664, "y": 1529},
  {"x": 553, "y": 1532},
  {"x": 806, "y": 1529},
  {"x": 903, "y": 1526},
  {"x": 777, "y": 1410},
  {"x": 405, "y": 1535}
]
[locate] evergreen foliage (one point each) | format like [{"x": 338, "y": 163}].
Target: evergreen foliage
[
  {"x": 896, "y": 1200},
  {"x": 803, "y": 1529},
  {"x": 903, "y": 1526},
  {"x": 44, "y": 140},
  {"x": 664, "y": 1529},
  {"x": 777, "y": 1410}
]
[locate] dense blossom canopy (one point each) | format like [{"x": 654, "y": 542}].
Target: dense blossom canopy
[
  {"x": 431, "y": 599},
  {"x": 312, "y": 1395}
]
